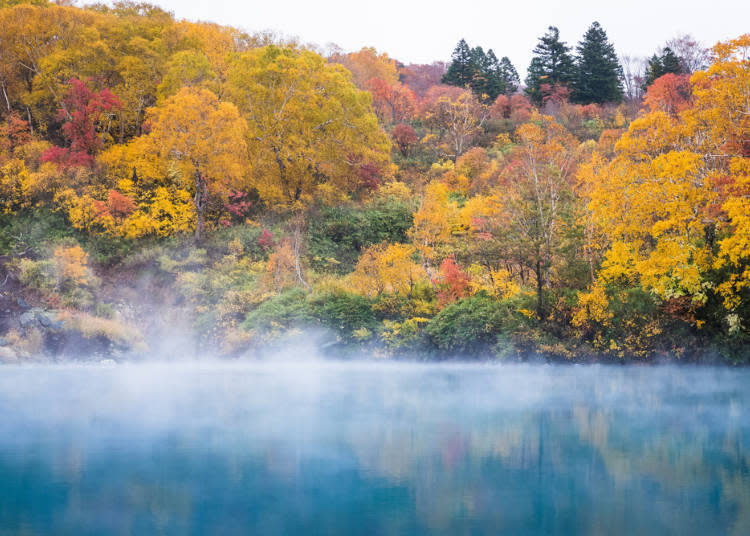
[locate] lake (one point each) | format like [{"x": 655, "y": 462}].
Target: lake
[{"x": 321, "y": 447}]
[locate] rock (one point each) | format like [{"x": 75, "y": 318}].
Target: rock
[
  {"x": 23, "y": 304},
  {"x": 43, "y": 319},
  {"x": 7, "y": 355},
  {"x": 27, "y": 319}
]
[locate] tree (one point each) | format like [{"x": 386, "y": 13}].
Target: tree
[
  {"x": 367, "y": 64},
  {"x": 487, "y": 76},
  {"x": 536, "y": 193},
  {"x": 421, "y": 77},
  {"x": 692, "y": 54},
  {"x": 508, "y": 76},
  {"x": 551, "y": 66},
  {"x": 463, "y": 66},
  {"x": 392, "y": 103},
  {"x": 405, "y": 137},
  {"x": 309, "y": 127},
  {"x": 386, "y": 268},
  {"x": 500, "y": 77},
  {"x": 661, "y": 64},
  {"x": 598, "y": 71},
  {"x": 670, "y": 93},
  {"x": 204, "y": 139},
  {"x": 455, "y": 118},
  {"x": 84, "y": 112}
]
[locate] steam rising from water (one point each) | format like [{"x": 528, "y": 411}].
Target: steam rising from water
[{"x": 300, "y": 446}]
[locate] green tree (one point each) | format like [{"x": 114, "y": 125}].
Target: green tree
[
  {"x": 598, "y": 69},
  {"x": 551, "y": 66},
  {"x": 661, "y": 64},
  {"x": 461, "y": 70},
  {"x": 487, "y": 76},
  {"x": 509, "y": 77}
]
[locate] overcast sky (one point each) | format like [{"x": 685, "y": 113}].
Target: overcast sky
[{"x": 422, "y": 31}]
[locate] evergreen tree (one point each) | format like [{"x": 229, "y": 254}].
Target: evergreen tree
[
  {"x": 659, "y": 65},
  {"x": 598, "y": 76},
  {"x": 479, "y": 78},
  {"x": 461, "y": 70},
  {"x": 492, "y": 71},
  {"x": 482, "y": 72},
  {"x": 552, "y": 65},
  {"x": 509, "y": 75}
]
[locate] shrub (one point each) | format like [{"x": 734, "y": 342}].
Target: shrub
[
  {"x": 344, "y": 312},
  {"x": 469, "y": 326}
]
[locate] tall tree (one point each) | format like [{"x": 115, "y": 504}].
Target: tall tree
[
  {"x": 536, "y": 193},
  {"x": 482, "y": 72},
  {"x": 461, "y": 70},
  {"x": 661, "y": 64},
  {"x": 509, "y": 76},
  {"x": 598, "y": 72},
  {"x": 551, "y": 66},
  {"x": 501, "y": 78}
]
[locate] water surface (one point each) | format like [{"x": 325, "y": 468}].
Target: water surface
[{"x": 368, "y": 448}]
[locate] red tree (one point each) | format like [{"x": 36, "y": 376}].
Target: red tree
[
  {"x": 670, "y": 93},
  {"x": 454, "y": 283},
  {"x": 83, "y": 111},
  {"x": 405, "y": 138}
]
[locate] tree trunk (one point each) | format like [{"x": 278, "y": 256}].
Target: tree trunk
[
  {"x": 297, "y": 246},
  {"x": 200, "y": 205},
  {"x": 539, "y": 285},
  {"x": 5, "y": 94}
]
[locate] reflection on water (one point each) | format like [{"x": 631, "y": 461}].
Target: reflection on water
[{"x": 334, "y": 448}]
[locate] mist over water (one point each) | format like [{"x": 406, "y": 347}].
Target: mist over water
[{"x": 320, "y": 447}]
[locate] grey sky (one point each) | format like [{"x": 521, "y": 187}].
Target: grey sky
[{"x": 425, "y": 31}]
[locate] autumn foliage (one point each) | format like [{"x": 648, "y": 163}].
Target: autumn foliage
[{"x": 270, "y": 186}]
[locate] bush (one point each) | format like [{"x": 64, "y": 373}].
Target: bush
[
  {"x": 280, "y": 313},
  {"x": 345, "y": 313},
  {"x": 469, "y": 326},
  {"x": 339, "y": 234}
]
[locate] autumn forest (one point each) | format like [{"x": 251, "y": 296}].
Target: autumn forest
[{"x": 172, "y": 184}]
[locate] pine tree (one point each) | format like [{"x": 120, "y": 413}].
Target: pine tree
[
  {"x": 479, "y": 77},
  {"x": 659, "y": 65},
  {"x": 509, "y": 75},
  {"x": 493, "y": 73},
  {"x": 461, "y": 70},
  {"x": 487, "y": 76},
  {"x": 598, "y": 76},
  {"x": 552, "y": 65}
]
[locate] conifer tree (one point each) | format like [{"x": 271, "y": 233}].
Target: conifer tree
[
  {"x": 509, "y": 75},
  {"x": 598, "y": 69},
  {"x": 551, "y": 66},
  {"x": 661, "y": 64},
  {"x": 482, "y": 72},
  {"x": 461, "y": 70}
]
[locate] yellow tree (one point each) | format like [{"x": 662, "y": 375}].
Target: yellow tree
[
  {"x": 673, "y": 202},
  {"x": 455, "y": 117},
  {"x": 536, "y": 195},
  {"x": 308, "y": 125},
  {"x": 435, "y": 224},
  {"x": 386, "y": 268},
  {"x": 367, "y": 64},
  {"x": 204, "y": 139}
]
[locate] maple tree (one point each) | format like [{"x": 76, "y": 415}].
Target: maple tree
[{"x": 85, "y": 114}]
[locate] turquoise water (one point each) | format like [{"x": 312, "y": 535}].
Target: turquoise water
[{"x": 365, "y": 448}]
